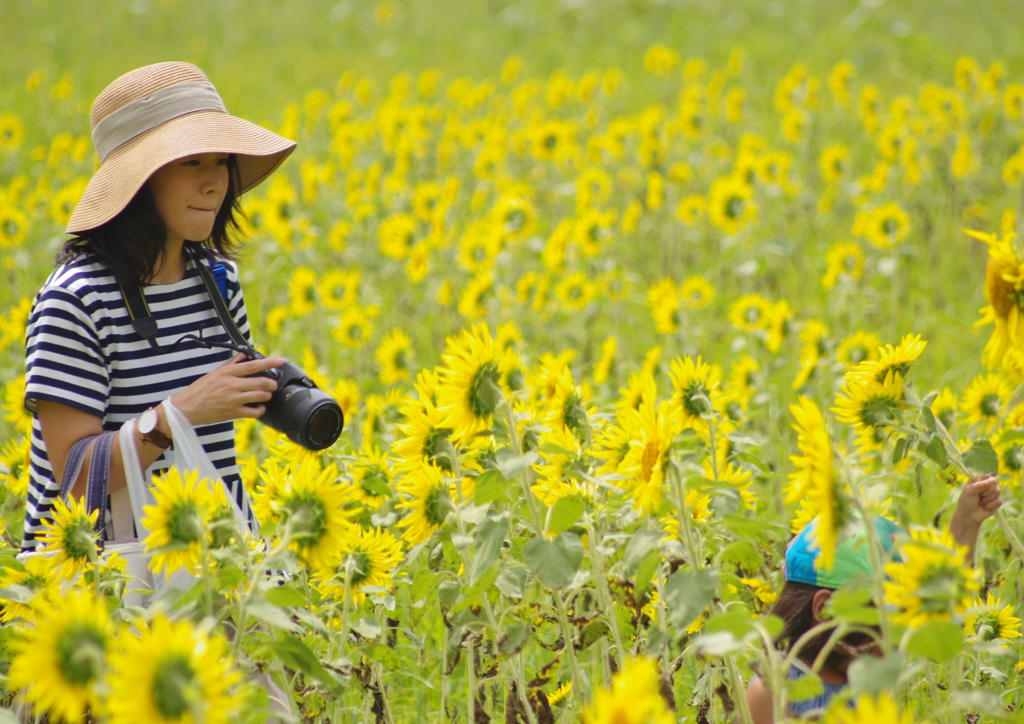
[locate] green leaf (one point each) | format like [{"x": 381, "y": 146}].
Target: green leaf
[
  {"x": 473, "y": 596},
  {"x": 512, "y": 581},
  {"x": 806, "y": 687},
  {"x": 688, "y": 593},
  {"x": 640, "y": 544},
  {"x": 936, "y": 451},
  {"x": 718, "y": 644},
  {"x": 490, "y": 486},
  {"x": 736, "y": 622},
  {"x": 565, "y": 512},
  {"x": 284, "y": 596},
  {"x": 296, "y": 655},
  {"x": 743, "y": 554},
  {"x": 760, "y": 530},
  {"x": 16, "y": 593},
  {"x": 871, "y": 674},
  {"x": 423, "y": 584},
  {"x": 513, "y": 639},
  {"x": 488, "y": 538},
  {"x": 900, "y": 451},
  {"x": 981, "y": 459},
  {"x": 644, "y": 574},
  {"x": 272, "y": 615},
  {"x": 853, "y": 606},
  {"x": 594, "y": 631},
  {"x": 511, "y": 464},
  {"x": 448, "y": 593},
  {"x": 554, "y": 562},
  {"x": 937, "y": 641},
  {"x": 384, "y": 654},
  {"x": 928, "y": 419}
]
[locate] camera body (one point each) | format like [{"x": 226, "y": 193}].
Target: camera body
[{"x": 298, "y": 408}]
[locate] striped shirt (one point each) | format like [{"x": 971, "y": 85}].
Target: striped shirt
[{"x": 82, "y": 351}]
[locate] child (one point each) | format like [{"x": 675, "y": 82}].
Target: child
[{"x": 802, "y": 601}]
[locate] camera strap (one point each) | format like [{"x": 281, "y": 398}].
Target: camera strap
[
  {"x": 219, "y": 305},
  {"x": 138, "y": 311}
]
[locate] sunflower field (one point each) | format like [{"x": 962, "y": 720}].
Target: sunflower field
[{"x": 608, "y": 329}]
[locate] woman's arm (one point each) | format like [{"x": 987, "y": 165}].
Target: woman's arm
[
  {"x": 759, "y": 701},
  {"x": 222, "y": 394}
]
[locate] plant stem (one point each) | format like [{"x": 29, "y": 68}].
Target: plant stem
[{"x": 582, "y": 694}]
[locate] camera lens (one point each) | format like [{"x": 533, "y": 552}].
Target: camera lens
[{"x": 324, "y": 426}]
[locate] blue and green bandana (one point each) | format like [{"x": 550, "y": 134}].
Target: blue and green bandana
[{"x": 852, "y": 554}]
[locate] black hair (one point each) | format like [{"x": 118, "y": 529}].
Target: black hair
[
  {"x": 795, "y": 606},
  {"x": 130, "y": 244}
]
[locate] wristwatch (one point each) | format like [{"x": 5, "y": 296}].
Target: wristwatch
[{"x": 147, "y": 426}]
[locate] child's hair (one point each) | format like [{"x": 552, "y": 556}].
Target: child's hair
[
  {"x": 795, "y": 606},
  {"x": 130, "y": 244}
]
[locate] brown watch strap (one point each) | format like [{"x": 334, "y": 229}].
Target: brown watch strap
[{"x": 156, "y": 438}]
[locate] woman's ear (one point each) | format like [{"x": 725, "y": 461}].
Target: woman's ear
[{"x": 818, "y": 602}]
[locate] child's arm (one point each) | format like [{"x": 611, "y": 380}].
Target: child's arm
[
  {"x": 979, "y": 499},
  {"x": 759, "y": 701}
]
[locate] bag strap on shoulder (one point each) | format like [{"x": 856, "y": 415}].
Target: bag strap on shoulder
[
  {"x": 226, "y": 321},
  {"x": 98, "y": 476}
]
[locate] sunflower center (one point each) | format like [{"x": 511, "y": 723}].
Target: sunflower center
[
  {"x": 1013, "y": 459},
  {"x": 857, "y": 354},
  {"x": 81, "y": 652},
  {"x": 435, "y": 509},
  {"x": 184, "y": 524},
  {"x": 515, "y": 220},
  {"x": 484, "y": 393},
  {"x": 890, "y": 226},
  {"x": 990, "y": 405},
  {"x": 174, "y": 686},
  {"x": 432, "y": 446},
  {"x": 734, "y": 207},
  {"x": 941, "y": 588},
  {"x": 752, "y": 315},
  {"x": 651, "y": 456}
]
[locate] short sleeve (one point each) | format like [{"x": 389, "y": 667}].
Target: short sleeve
[
  {"x": 64, "y": 360},
  {"x": 236, "y": 302}
]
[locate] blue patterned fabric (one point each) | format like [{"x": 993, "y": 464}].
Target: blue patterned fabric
[{"x": 814, "y": 705}]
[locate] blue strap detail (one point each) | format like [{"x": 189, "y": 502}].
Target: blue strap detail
[{"x": 220, "y": 275}]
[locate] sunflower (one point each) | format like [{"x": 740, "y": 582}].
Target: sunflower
[
  {"x": 692, "y": 209},
  {"x": 945, "y": 407},
  {"x": 933, "y": 582},
  {"x": 371, "y": 477},
  {"x": 893, "y": 359},
  {"x": 425, "y": 436},
  {"x": 1004, "y": 289},
  {"x": 877, "y": 710},
  {"x": 989, "y": 621},
  {"x": 565, "y": 464},
  {"x": 699, "y": 505},
  {"x": 393, "y": 357},
  {"x": 43, "y": 581},
  {"x": 663, "y": 299},
  {"x": 475, "y": 295},
  {"x": 469, "y": 391},
  {"x": 695, "y": 390},
  {"x": 813, "y": 347},
  {"x": 634, "y": 697},
  {"x": 985, "y": 399},
  {"x": 173, "y": 673},
  {"x": 183, "y": 507},
  {"x": 478, "y": 247},
  {"x": 742, "y": 378},
  {"x": 750, "y": 312},
  {"x": 310, "y": 505},
  {"x": 428, "y": 500},
  {"x": 834, "y": 163},
  {"x": 397, "y": 236},
  {"x": 730, "y": 204},
  {"x": 858, "y": 347},
  {"x": 866, "y": 403},
  {"x": 885, "y": 227},
  {"x": 515, "y": 218},
  {"x": 646, "y": 464},
  {"x": 339, "y": 289},
  {"x": 60, "y": 662},
  {"x": 354, "y": 328},
  {"x": 71, "y": 536},
  {"x": 574, "y": 292},
  {"x": 696, "y": 292},
  {"x": 815, "y": 478},
  {"x": 302, "y": 288},
  {"x": 367, "y": 559},
  {"x": 844, "y": 259}
]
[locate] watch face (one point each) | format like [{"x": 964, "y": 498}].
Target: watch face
[{"x": 147, "y": 421}]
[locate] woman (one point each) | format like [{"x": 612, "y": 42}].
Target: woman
[
  {"x": 801, "y": 603},
  {"x": 173, "y": 163}
]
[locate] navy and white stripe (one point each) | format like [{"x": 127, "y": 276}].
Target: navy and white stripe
[{"x": 82, "y": 351}]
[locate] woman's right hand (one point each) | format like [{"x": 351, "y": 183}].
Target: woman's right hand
[{"x": 225, "y": 392}]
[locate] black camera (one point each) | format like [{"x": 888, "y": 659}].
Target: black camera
[{"x": 300, "y": 409}]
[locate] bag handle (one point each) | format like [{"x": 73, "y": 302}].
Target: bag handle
[{"x": 98, "y": 476}]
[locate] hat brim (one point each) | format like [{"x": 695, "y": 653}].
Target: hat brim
[{"x": 129, "y": 166}]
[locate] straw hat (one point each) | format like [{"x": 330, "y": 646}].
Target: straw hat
[{"x": 157, "y": 114}]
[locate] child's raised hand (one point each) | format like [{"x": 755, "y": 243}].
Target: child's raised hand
[{"x": 979, "y": 499}]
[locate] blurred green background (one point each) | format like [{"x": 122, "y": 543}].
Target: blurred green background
[{"x": 263, "y": 53}]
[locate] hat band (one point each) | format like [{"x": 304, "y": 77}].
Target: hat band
[{"x": 139, "y": 116}]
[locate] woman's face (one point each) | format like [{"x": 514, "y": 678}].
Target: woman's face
[{"x": 188, "y": 194}]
